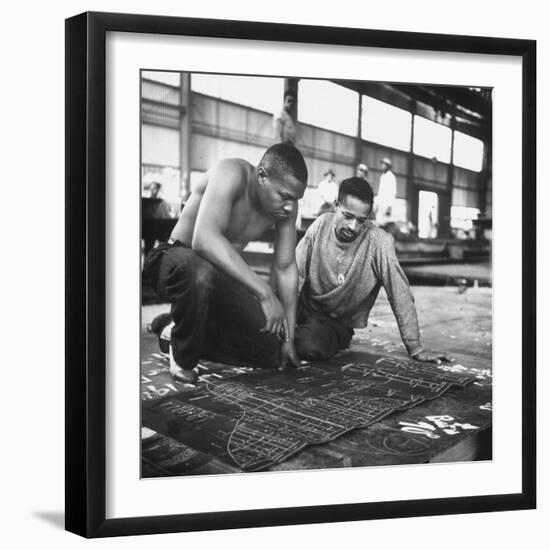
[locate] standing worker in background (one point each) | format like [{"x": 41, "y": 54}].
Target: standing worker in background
[
  {"x": 284, "y": 123},
  {"x": 362, "y": 171},
  {"x": 328, "y": 190},
  {"x": 159, "y": 207},
  {"x": 154, "y": 211},
  {"x": 385, "y": 198}
]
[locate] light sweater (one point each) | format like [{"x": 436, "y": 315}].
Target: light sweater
[{"x": 343, "y": 280}]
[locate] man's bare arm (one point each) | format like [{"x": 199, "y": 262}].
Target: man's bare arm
[
  {"x": 285, "y": 274},
  {"x": 285, "y": 269}
]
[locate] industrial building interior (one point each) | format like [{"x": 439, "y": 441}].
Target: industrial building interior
[{"x": 439, "y": 142}]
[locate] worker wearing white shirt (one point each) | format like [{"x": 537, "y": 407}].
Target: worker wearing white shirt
[
  {"x": 386, "y": 193},
  {"x": 328, "y": 190}
]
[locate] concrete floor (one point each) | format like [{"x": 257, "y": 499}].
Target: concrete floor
[
  {"x": 450, "y": 320},
  {"x": 454, "y": 320},
  {"x": 473, "y": 274}
]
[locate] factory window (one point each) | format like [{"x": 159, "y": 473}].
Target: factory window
[
  {"x": 468, "y": 152},
  {"x": 263, "y": 93},
  {"x": 462, "y": 217},
  {"x": 385, "y": 124},
  {"x": 432, "y": 140},
  {"x": 328, "y": 105}
]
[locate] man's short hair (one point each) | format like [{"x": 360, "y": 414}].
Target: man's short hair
[
  {"x": 289, "y": 93},
  {"x": 282, "y": 159},
  {"x": 356, "y": 187}
]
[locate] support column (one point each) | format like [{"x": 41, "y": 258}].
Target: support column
[
  {"x": 445, "y": 199},
  {"x": 291, "y": 85},
  {"x": 185, "y": 127},
  {"x": 412, "y": 196},
  {"x": 290, "y": 131},
  {"x": 359, "y": 138}
]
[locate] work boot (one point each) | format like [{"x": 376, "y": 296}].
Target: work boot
[{"x": 187, "y": 376}]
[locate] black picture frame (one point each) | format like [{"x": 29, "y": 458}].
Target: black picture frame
[{"x": 86, "y": 263}]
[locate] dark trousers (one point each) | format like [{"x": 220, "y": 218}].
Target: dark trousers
[
  {"x": 319, "y": 336},
  {"x": 215, "y": 317}
]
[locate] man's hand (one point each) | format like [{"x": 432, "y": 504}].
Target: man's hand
[
  {"x": 432, "y": 357},
  {"x": 274, "y": 315},
  {"x": 289, "y": 359}
]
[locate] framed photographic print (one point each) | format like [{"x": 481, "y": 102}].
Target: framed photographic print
[{"x": 294, "y": 293}]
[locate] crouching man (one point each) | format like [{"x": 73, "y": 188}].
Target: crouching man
[{"x": 221, "y": 309}]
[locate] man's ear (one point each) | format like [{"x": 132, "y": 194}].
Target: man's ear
[{"x": 261, "y": 173}]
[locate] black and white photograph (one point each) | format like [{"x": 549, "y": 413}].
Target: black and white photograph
[
  {"x": 316, "y": 286},
  {"x": 274, "y": 275}
]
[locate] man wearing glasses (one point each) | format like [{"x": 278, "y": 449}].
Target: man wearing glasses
[{"x": 343, "y": 261}]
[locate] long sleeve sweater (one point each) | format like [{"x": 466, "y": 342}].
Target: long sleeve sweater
[{"x": 343, "y": 280}]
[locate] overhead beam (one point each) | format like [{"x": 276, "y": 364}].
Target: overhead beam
[
  {"x": 400, "y": 95},
  {"x": 476, "y": 102}
]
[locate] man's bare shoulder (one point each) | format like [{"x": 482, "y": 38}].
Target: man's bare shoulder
[{"x": 232, "y": 171}]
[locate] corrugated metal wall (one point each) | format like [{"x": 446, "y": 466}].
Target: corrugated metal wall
[
  {"x": 160, "y": 145},
  {"x": 221, "y": 129},
  {"x": 466, "y": 188}
]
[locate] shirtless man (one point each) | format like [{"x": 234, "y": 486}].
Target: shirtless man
[{"x": 221, "y": 309}]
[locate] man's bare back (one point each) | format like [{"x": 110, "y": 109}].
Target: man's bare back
[{"x": 246, "y": 220}]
